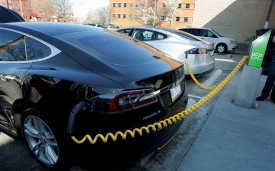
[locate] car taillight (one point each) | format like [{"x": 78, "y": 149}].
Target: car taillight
[
  {"x": 197, "y": 51},
  {"x": 116, "y": 102}
]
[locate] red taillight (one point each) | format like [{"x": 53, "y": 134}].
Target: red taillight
[{"x": 133, "y": 99}]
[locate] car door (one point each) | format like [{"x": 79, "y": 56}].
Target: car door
[
  {"x": 147, "y": 36},
  {"x": 13, "y": 66}
]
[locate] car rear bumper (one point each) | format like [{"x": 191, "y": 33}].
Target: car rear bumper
[
  {"x": 200, "y": 68},
  {"x": 137, "y": 146}
]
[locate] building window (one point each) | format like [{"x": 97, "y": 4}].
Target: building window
[
  {"x": 162, "y": 18},
  {"x": 114, "y": 16},
  {"x": 187, "y": 6},
  {"x": 136, "y": 5},
  {"x": 130, "y": 17},
  {"x": 177, "y": 18},
  {"x": 114, "y": 4},
  {"x": 185, "y": 19},
  {"x": 118, "y": 15},
  {"x": 142, "y": 5},
  {"x": 163, "y": 5},
  {"x": 179, "y": 6},
  {"x": 130, "y": 5},
  {"x": 119, "y": 4},
  {"x": 124, "y": 15},
  {"x": 125, "y": 5}
]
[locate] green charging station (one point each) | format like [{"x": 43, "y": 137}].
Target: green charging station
[{"x": 257, "y": 51}]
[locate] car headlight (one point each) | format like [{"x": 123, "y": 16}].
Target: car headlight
[{"x": 232, "y": 41}]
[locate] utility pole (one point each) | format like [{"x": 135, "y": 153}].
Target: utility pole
[{"x": 268, "y": 14}]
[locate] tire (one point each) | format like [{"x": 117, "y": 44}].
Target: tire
[
  {"x": 42, "y": 141},
  {"x": 221, "y": 48}
]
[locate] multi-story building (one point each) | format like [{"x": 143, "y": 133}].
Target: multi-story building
[
  {"x": 238, "y": 19},
  {"x": 127, "y": 12},
  {"x": 25, "y": 7}
]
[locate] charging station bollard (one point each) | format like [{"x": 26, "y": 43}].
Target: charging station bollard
[{"x": 251, "y": 73}]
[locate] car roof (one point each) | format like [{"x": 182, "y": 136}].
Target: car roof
[
  {"x": 194, "y": 28},
  {"x": 48, "y": 28}
]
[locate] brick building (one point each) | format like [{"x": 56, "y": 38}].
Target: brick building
[
  {"x": 22, "y": 7},
  {"x": 25, "y": 7},
  {"x": 233, "y": 18},
  {"x": 123, "y": 12}
]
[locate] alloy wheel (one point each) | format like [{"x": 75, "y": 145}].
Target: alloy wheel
[
  {"x": 221, "y": 48},
  {"x": 41, "y": 140}
]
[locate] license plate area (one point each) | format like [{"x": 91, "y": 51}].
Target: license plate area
[{"x": 175, "y": 92}]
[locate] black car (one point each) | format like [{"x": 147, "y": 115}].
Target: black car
[{"x": 59, "y": 80}]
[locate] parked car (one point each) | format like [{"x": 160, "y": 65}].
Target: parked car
[
  {"x": 95, "y": 25},
  {"x": 222, "y": 44},
  {"x": 176, "y": 44},
  {"x": 61, "y": 79},
  {"x": 270, "y": 49},
  {"x": 110, "y": 26}
]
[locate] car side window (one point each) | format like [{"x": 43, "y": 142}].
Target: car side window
[
  {"x": 138, "y": 34},
  {"x": 160, "y": 36},
  {"x": 203, "y": 33},
  {"x": 36, "y": 50},
  {"x": 196, "y": 32},
  {"x": 211, "y": 34},
  {"x": 148, "y": 35},
  {"x": 125, "y": 31},
  {"x": 18, "y": 47},
  {"x": 12, "y": 46}
]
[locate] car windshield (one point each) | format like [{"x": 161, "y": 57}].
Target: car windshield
[{"x": 219, "y": 34}]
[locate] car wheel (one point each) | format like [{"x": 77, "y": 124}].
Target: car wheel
[
  {"x": 222, "y": 48},
  {"x": 43, "y": 142}
]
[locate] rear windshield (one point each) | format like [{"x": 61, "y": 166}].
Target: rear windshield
[
  {"x": 187, "y": 35},
  {"x": 111, "y": 47}
]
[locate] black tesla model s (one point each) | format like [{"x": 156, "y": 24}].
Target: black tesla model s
[{"x": 59, "y": 80}]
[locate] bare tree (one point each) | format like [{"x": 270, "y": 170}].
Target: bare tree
[
  {"x": 147, "y": 12},
  {"x": 142, "y": 12},
  {"x": 172, "y": 11},
  {"x": 98, "y": 16},
  {"x": 106, "y": 13},
  {"x": 46, "y": 9},
  {"x": 159, "y": 12},
  {"x": 64, "y": 9}
]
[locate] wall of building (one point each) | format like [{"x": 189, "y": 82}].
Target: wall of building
[
  {"x": 238, "y": 19},
  {"x": 123, "y": 22}
]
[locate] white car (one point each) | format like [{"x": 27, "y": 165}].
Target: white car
[
  {"x": 222, "y": 44},
  {"x": 178, "y": 45}
]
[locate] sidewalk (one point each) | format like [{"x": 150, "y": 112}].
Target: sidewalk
[{"x": 233, "y": 137}]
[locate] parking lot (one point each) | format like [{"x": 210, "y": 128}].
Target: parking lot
[{"x": 167, "y": 158}]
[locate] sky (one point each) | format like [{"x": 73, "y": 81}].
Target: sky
[{"x": 81, "y": 7}]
